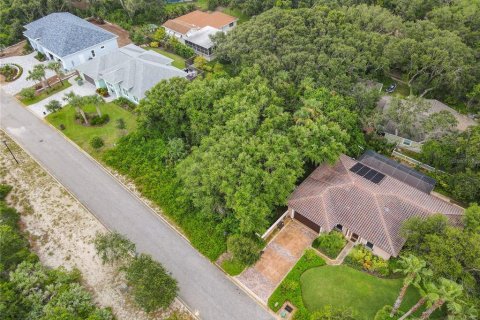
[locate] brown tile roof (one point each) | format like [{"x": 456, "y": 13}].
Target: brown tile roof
[
  {"x": 334, "y": 195},
  {"x": 199, "y": 19}
]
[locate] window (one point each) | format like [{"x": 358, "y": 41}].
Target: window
[
  {"x": 407, "y": 142},
  {"x": 125, "y": 92},
  {"x": 93, "y": 53},
  {"x": 369, "y": 245},
  {"x": 231, "y": 24},
  {"x": 339, "y": 227},
  {"x": 102, "y": 47}
]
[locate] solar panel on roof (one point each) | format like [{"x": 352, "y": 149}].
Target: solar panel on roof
[
  {"x": 370, "y": 174},
  {"x": 356, "y": 167},
  {"x": 363, "y": 171},
  {"x": 378, "y": 177}
]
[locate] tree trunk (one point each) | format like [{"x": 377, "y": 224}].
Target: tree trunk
[
  {"x": 413, "y": 309},
  {"x": 84, "y": 116},
  {"x": 399, "y": 300},
  {"x": 430, "y": 310},
  {"x": 46, "y": 81},
  {"x": 98, "y": 111},
  {"x": 425, "y": 92},
  {"x": 59, "y": 75}
]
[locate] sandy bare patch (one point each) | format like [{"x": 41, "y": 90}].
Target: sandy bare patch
[{"x": 61, "y": 231}]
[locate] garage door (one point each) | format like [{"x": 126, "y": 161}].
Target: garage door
[
  {"x": 309, "y": 223},
  {"x": 89, "y": 79}
]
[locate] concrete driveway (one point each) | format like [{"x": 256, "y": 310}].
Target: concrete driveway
[
  {"x": 278, "y": 259},
  {"x": 86, "y": 89},
  {"x": 26, "y": 62},
  {"x": 203, "y": 286}
]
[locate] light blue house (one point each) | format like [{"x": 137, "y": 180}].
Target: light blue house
[{"x": 129, "y": 71}]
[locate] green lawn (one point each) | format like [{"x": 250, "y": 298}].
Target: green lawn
[
  {"x": 401, "y": 91},
  {"x": 342, "y": 286},
  {"x": 237, "y": 13},
  {"x": 47, "y": 93},
  {"x": 233, "y": 267},
  {"x": 178, "y": 61},
  {"x": 82, "y": 135}
]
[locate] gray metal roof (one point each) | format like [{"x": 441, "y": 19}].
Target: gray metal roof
[
  {"x": 64, "y": 33},
  {"x": 136, "y": 69}
]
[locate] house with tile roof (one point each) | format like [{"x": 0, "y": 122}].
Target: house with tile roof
[
  {"x": 129, "y": 71},
  {"x": 368, "y": 200},
  {"x": 196, "y": 28},
  {"x": 71, "y": 40}
]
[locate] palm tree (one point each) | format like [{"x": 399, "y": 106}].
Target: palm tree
[
  {"x": 40, "y": 69},
  {"x": 77, "y": 102},
  {"x": 35, "y": 74},
  {"x": 95, "y": 100},
  {"x": 447, "y": 292},
  {"x": 56, "y": 67},
  {"x": 414, "y": 269}
]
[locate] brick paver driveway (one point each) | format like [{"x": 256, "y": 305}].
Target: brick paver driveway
[{"x": 279, "y": 257}]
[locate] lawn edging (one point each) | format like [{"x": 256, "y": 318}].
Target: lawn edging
[{"x": 290, "y": 288}]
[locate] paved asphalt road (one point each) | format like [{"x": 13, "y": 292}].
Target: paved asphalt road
[{"x": 202, "y": 286}]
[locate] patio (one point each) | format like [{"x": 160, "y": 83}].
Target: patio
[{"x": 279, "y": 256}]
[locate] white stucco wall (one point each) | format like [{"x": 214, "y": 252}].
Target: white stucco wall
[{"x": 71, "y": 61}]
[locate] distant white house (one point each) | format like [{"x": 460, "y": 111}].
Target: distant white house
[
  {"x": 69, "y": 39},
  {"x": 129, "y": 71},
  {"x": 195, "y": 29}
]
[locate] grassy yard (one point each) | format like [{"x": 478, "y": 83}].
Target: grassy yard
[
  {"x": 178, "y": 61},
  {"x": 401, "y": 91},
  {"x": 82, "y": 135},
  {"x": 343, "y": 286},
  {"x": 47, "y": 93},
  {"x": 237, "y": 13},
  {"x": 233, "y": 267}
]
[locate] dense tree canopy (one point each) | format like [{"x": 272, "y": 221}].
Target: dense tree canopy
[{"x": 247, "y": 148}]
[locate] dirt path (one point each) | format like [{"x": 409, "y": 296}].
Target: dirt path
[
  {"x": 61, "y": 230},
  {"x": 123, "y": 35}
]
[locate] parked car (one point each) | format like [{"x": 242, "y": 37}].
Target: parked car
[{"x": 391, "y": 88}]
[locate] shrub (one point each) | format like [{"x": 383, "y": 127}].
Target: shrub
[
  {"x": 361, "y": 258},
  {"x": 40, "y": 57},
  {"x": 113, "y": 247},
  {"x": 152, "y": 286},
  {"x": 102, "y": 91},
  {"x": 125, "y": 103},
  {"x": 179, "y": 48},
  {"x": 53, "y": 106},
  {"x": 334, "y": 313},
  {"x": 120, "y": 124},
  {"x": 27, "y": 48},
  {"x": 154, "y": 44},
  {"x": 244, "y": 249},
  {"x": 309, "y": 260},
  {"x": 96, "y": 142},
  {"x": 4, "y": 191},
  {"x": 330, "y": 243},
  {"x": 98, "y": 121},
  {"x": 27, "y": 94},
  {"x": 62, "y": 126},
  {"x": 200, "y": 63},
  {"x": 8, "y": 72}
]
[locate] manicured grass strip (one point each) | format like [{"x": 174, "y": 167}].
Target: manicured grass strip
[
  {"x": 233, "y": 267},
  {"x": 290, "y": 288},
  {"x": 47, "y": 93},
  {"x": 344, "y": 287},
  {"x": 237, "y": 13},
  {"x": 82, "y": 135},
  {"x": 178, "y": 61}
]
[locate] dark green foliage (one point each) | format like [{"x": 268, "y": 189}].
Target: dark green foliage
[
  {"x": 113, "y": 247},
  {"x": 40, "y": 57},
  {"x": 450, "y": 252},
  {"x": 11, "y": 72},
  {"x": 27, "y": 93},
  {"x": 361, "y": 258},
  {"x": 160, "y": 184},
  {"x": 330, "y": 243},
  {"x": 96, "y": 142},
  {"x": 99, "y": 120},
  {"x": 244, "y": 249},
  {"x": 120, "y": 124},
  {"x": 30, "y": 291},
  {"x": 125, "y": 103},
  {"x": 53, "y": 106},
  {"x": 290, "y": 288},
  {"x": 472, "y": 218},
  {"x": 179, "y": 48},
  {"x": 152, "y": 286},
  {"x": 4, "y": 191},
  {"x": 334, "y": 313}
]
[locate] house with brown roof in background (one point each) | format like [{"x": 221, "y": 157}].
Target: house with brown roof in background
[
  {"x": 368, "y": 200},
  {"x": 195, "y": 28}
]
